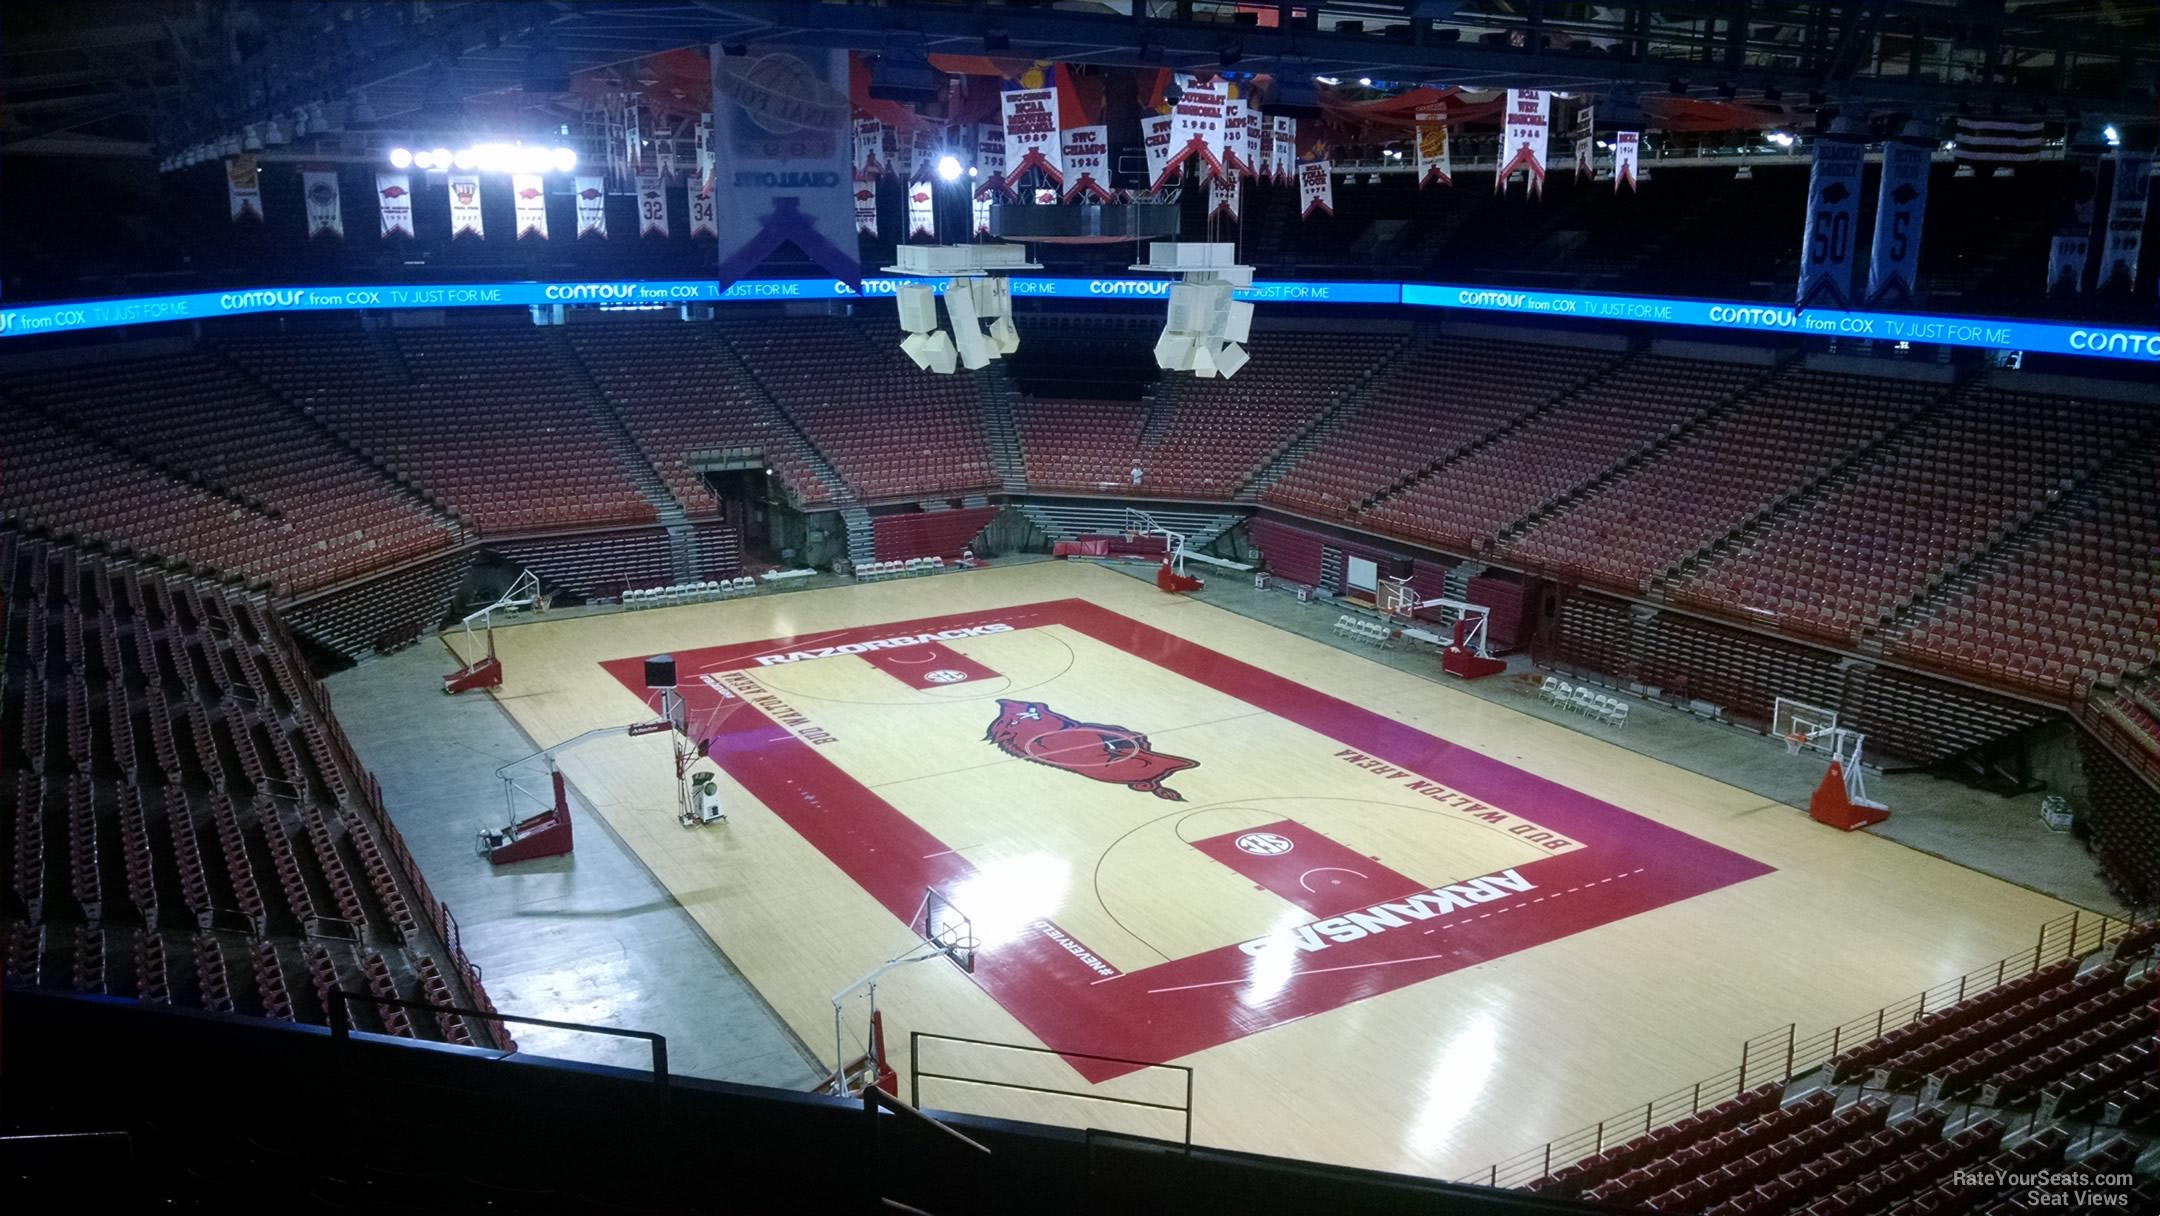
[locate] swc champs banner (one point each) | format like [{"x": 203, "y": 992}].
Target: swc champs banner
[
  {"x": 1900, "y": 210},
  {"x": 1826, "y": 245},
  {"x": 1087, "y": 163},
  {"x": 591, "y": 207},
  {"x": 784, "y": 138},
  {"x": 1316, "y": 188},
  {"x": 1435, "y": 161},
  {"x": 651, "y": 205},
  {"x": 465, "y": 206},
  {"x": 393, "y": 202},
  {"x": 1031, "y": 133},
  {"x": 1526, "y": 123},
  {"x": 1626, "y": 152},
  {"x": 325, "y": 211},
  {"x": 531, "y": 204},
  {"x": 990, "y": 160},
  {"x": 243, "y": 187},
  {"x": 2125, "y": 221}
]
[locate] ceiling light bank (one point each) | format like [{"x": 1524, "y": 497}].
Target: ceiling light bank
[{"x": 487, "y": 158}]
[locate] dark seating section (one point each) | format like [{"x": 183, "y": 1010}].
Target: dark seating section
[
  {"x": 184, "y": 821},
  {"x": 1089, "y": 446},
  {"x": 2122, "y": 813},
  {"x": 937, "y": 533}
]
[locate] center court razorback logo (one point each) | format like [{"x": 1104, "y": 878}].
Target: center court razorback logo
[{"x": 1033, "y": 731}]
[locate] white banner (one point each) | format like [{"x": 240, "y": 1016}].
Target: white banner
[
  {"x": 591, "y": 207},
  {"x": 531, "y": 203},
  {"x": 1526, "y": 124},
  {"x": 1826, "y": 245},
  {"x": 1226, "y": 195},
  {"x": 1236, "y": 128},
  {"x": 325, "y": 211},
  {"x": 465, "y": 205},
  {"x": 2066, "y": 264},
  {"x": 922, "y": 151},
  {"x": 1316, "y": 188},
  {"x": 633, "y": 143},
  {"x": 708, "y": 155},
  {"x": 1626, "y": 151},
  {"x": 989, "y": 160},
  {"x": 869, "y": 148},
  {"x": 243, "y": 187},
  {"x": 783, "y": 137},
  {"x": 1155, "y": 137},
  {"x": 1435, "y": 159},
  {"x": 703, "y": 205},
  {"x": 866, "y": 205},
  {"x": 1900, "y": 209},
  {"x": 652, "y": 204},
  {"x": 1285, "y": 150},
  {"x": 393, "y": 202},
  {"x": 1264, "y": 131},
  {"x": 2125, "y": 221},
  {"x": 1196, "y": 125},
  {"x": 1031, "y": 134},
  {"x": 1585, "y": 143},
  {"x": 979, "y": 206},
  {"x": 1087, "y": 163},
  {"x": 921, "y": 210}
]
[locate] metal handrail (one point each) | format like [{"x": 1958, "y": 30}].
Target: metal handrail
[
  {"x": 916, "y": 1074},
  {"x": 341, "y": 1024}
]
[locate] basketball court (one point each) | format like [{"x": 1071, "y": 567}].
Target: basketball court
[{"x": 1382, "y": 922}]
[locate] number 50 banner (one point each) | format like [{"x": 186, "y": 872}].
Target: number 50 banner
[{"x": 1826, "y": 247}]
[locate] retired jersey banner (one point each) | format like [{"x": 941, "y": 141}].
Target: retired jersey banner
[
  {"x": 703, "y": 206},
  {"x": 1626, "y": 154},
  {"x": 1826, "y": 244},
  {"x": 591, "y": 207},
  {"x": 1285, "y": 150},
  {"x": 1316, "y": 188},
  {"x": 1525, "y": 125},
  {"x": 1236, "y": 125},
  {"x": 1900, "y": 209},
  {"x": 990, "y": 160},
  {"x": 921, "y": 210},
  {"x": 2067, "y": 255},
  {"x": 243, "y": 187},
  {"x": 530, "y": 200},
  {"x": 1435, "y": 162},
  {"x": 1031, "y": 134},
  {"x": 1087, "y": 163},
  {"x": 325, "y": 211},
  {"x": 783, "y": 137},
  {"x": 2125, "y": 234},
  {"x": 1227, "y": 195},
  {"x": 1196, "y": 125},
  {"x": 652, "y": 205},
  {"x": 465, "y": 205},
  {"x": 393, "y": 202}
]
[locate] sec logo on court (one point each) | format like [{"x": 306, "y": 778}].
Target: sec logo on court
[
  {"x": 945, "y": 675},
  {"x": 1264, "y": 844}
]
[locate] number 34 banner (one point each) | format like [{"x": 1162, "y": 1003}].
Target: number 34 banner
[{"x": 1826, "y": 248}]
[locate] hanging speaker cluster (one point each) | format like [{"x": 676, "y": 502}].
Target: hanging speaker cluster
[
  {"x": 1207, "y": 325},
  {"x": 977, "y": 289}
]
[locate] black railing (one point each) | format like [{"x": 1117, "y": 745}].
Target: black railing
[
  {"x": 917, "y": 1074},
  {"x": 341, "y": 1024}
]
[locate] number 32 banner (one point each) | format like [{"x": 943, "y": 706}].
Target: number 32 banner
[{"x": 1826, "y": 247}]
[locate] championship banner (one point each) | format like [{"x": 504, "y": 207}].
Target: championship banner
[
  {"x": 1585, "y": 144},
  {"x": 921, "y": 154},
  {"x": 990, "y": 160},
  {"x": 2125, "y": 222},
  {"x": 1285, "y": 150},
  {"x": 782, "y": 140},
  {"x": 1254, "y": 119},
  {"x": 1236, "y": 125},
  {"x": 1522, "y": 143},
  {"x": 465, "y": 205},
  {"x": 1264, "y": 130},
  {"x": 243, "y": 187},
  {"x": 2067, "y": 255},
  {"x": 1826, "y": 245},
  {"x": 1226, "y": 196},
  {"x": 979, "y": 210},
  {"x": 1435, "y": 161},
  {"x": 707, "y": 155},
  {"x": 1155, "y": 138},
  {"x": 703, "y": 206},
  {"x": 921, "y": 210},
  {"x": 633, "y": 141},
  {"x": 393, "y": 195},
  {"x": 1900, "y": 210},
  {"x": 591, "y": 207},
  {"x": 652, "y": 204},
  {"x": 1626, "y": 151},
  {"x": 531, "y": 203},
  {"x": 1031, "y": 133},
  {"x": 325, "y": 212},
  {"x": 1316, "y": 188},
  {"x": 869, "y": 145},
  {"x": 1196, "y": 125},
  {"x": 1087, "y": 163},
  {"x": 667, "y": 157},
  {"x": 866, "y": 205}
]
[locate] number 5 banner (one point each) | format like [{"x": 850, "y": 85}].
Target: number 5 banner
[
  {"x": 1899, "y": 212},
  {"x": 1826, "y": 246}
]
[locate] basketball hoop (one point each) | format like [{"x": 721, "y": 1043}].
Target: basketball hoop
[{"x": 1793, "y": 744}]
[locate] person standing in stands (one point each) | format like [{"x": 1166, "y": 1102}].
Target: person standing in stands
[{"x": 1136, "y": 475}]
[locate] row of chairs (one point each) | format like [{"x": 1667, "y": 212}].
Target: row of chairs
[
  {"x": 688, "y": 593},
  {"x": 900, "y": 568},
  {"x": 1590, "y": 703},
  {"x": 1363, "y": 629}
]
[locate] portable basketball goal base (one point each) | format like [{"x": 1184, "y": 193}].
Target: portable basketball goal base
[
  {"x": 1842, "y": 799},
  {"x": 1171, "y": 577},
  {"x": 942, "y": 931},
  {"x": 1463, "y": 652},
  {"x": 486, "y": 672}
]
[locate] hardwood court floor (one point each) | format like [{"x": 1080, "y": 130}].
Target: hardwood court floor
[{"x": 1387, "y": 924}]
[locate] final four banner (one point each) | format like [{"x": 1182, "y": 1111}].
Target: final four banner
[
  {"x": 591, "y": 206},
  {"x": 1087, "y": 163},
  {"x": 2125, "y": 222},
  {"x": 1826, "y": 245},
  {"x": 1585, "y": 143},
  {"x": 465, "y": 205},
  {"x": 1525, "y": 126},
  {"x": 1285, "y": 149},
  {"x": 1900, "y": 209},
  {"x": 1155, "y": 135},
  {"x": 1435, "y": 163},
  {"x": 243, "y": 187},
  {"x": 652, "y": 205},
  {"x": 783, "y": 138},
  {"x": 530, "y": 201},
  {"x": 1196, "y": 125},
  {"x": 1031, "y": 132},
  {"x": 325, "y": 211},
  {"x": 393, "y": 202},
  {"x": 1316, "y": 188},
  {"x": 1626, "y": 154}
]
